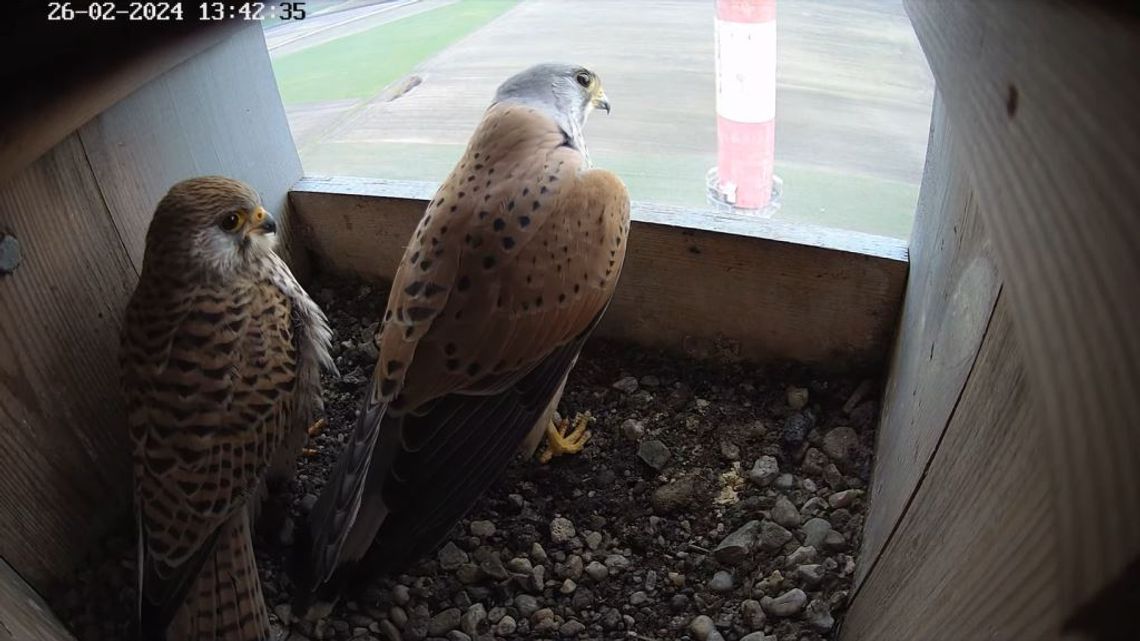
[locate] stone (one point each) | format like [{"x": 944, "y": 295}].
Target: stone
[
  {"x": 770, "y": 584},
  {"x": 796, "y": 427},
  {"x": 785, "y": 482},
  {"x": 561, "y": 530},
  {"x": 451, "y": 557},
  {"x": 284, "y": 613},
  {"x": 758, "y": 636},
  {"x": 593, "y": 539},
  {"x": 650, "y": 380},
  {"x": 398, "y": 615},
  {"x": 722, "y": 582},
  {"x": 814, "y": 506},
  {"x": 843, "y": 498},
  {"x": 537, "y": 553},
  {"x": 814, "y": 462},
  {"x": 526, "y": 604},
  {"x": 815, "y": 532},
  {"x": 674, "y": 496},
  {"x": 737, "y": 547},
  {"x": 458, "y": 635},
  {"x": 839, "y": 443},
  {"x": 803, "y": 554},
  {"x": 482, "y": 529},
  {"x": 633, "y": 429},
  {"x": 572, "y": 628},
  {"x": 573, "y": 567},
  {"x": 797, "y": 398},
  {"x": 616, "y": 562},
  {"x": 818, "y": 615},
  {"x": 701, "y": 626},
  {"x": 811, "y": 574},
  {"x": 752, "y": 615},
  {"x": 597, "y": 571},
  {"x": 655, "y": 454},
  {"x": 568, "y": 586},
  {"x": 785, "y": 513},
  {"x": 444, "y": 622},
  {"x": 390, "y": 631},
  {"x": 638, "y": 598},
  {"x": 307, "y": 502},
  {"x": 506, "y": 626},
  {"x": 467, "y": 573},
  {"x": 401, "y": 595},
  {"x": 627, "y": 384},
  {"x": 544, "y": 614},
  {"x": 787, "y": 604},
  {"x": 835, "y": 541},
  {"x": 473, "y": 619},
  {"x": 764, "y": 471},
  {"x": 520, "y": 565},
  {"x": 833, "y": 477},
  {"x": 773, "y": 536}
]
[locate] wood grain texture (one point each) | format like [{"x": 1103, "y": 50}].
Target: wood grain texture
[
  {"x": 976, "y": 556},
  {"x": 23, "y": 614},
  {"x": 949, "y": 298},
  {"x": 684, "y": 284},
  {"x": 77, "y": 71},
  {"x": 1043, "y": 98},
  {"x": 217, "y": 113},
  {"x": 63, "y": 447}
]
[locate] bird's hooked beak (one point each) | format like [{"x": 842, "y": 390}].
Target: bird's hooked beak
[
  {"x": 261, "y": 222},
  {"x": 600, "y": 100}
]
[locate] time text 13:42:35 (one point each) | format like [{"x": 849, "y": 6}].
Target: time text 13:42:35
[{"x": 175, "y": 11}]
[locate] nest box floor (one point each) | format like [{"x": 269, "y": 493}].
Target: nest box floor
[{"x": 697, "y": 496}]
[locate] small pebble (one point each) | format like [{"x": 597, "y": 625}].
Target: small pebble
[
  {"x": 444, "y": 622},
  {"x": 785, "y": 513},
  {"x": 811, "y": 574},
  {"x": 785, "y": 481},
  {"x": 674, "y": 496},
  {"x": 561, "y": 530},
  {"x": 451, "y": 557},
  {"x": 526, "y": 604},
  {"x": 701, "y": 626},
  {"x": 730, "y": 450},
  {"x": 597, "y": 571},
  {"x": 572, "y": 628},
  {"x": 815, "y": 532},
  {"x": 482, "y": 529},
  {"x": 752, "y": 614},
  {"x": 638, "y": 598},
  {"x": 764, "y": 471},
  {"x": 787, "y": 604},
  {"x": 796, "y": 428},
  {"x": 655, "y": 454},
  {"x": 844, "y": 498},
  {"x": 506, "y": 626},
  {"x": 736, "y": 547},
  {"x": 797, "y": 397},
  {"x": 722, "y": 582},
  {"x": 773, "y": 536},
  {"x": 818, "y": 614},
  {"x": 840, "y": 442},
  {"x": 626, "y": 384},
  {"x": 633, "y": 429},
  {"x": 473, "y": 619},
  {"x": 802, "y": 555}
]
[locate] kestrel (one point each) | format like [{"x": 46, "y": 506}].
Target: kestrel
[
  {"x": 508, "y": 272},
  {"x": 222, "y": 351}
]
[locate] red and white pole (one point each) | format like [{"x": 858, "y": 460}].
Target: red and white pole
[{"x": 745, "y": 101}]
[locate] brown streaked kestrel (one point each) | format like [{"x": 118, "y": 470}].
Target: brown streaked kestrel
[
  {"x": 221, "y": 356},
  {"x": 508, "y": 272}
]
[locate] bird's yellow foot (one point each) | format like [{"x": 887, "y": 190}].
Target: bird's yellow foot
[
  {"x": 562, "y": 439},
  {"x": 316, "y": 428}
]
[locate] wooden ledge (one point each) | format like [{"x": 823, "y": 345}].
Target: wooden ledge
[{"x": 711, "y": 284}]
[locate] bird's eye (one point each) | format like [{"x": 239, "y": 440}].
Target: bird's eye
[
  {"x": 230, "y": 221},
  {"x": 583, "y": 78}
]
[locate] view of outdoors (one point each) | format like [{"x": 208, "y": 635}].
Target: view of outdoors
[{"x": 393, "y": 89}]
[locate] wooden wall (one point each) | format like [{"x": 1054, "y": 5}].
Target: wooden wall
[
  {"x": 80, "y": 213},
  {"x": 707, "y": 283},
  {"x": 1006, "y": 498}
]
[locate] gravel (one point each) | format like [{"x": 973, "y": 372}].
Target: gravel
[{"x": 743, "y": 529}]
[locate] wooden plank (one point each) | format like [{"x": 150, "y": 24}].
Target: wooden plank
[
  {"x": 218, "y": 113},
  {"x": 63, "y": 448},
  {"x": 23, "y": 614},
  {"x": 975, "y": 556},
  {"x": 68, "y": 74},
  {"x": 698, "y": 286},
  {"x": 949, "y": 298},
  {"x": 1043, "y": 98}
]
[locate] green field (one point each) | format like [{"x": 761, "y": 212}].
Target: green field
[
  {"x": 360, "y": 65},
  {"x": 811, "y": 194}
]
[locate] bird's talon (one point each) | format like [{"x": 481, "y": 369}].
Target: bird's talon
[
  {"x": 565, "y": 437},
  {"x": 316, "y": 428}
]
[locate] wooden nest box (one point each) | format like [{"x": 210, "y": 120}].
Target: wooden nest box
[{"x": 1006, "y": 492}]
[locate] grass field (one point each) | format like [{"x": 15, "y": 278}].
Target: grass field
[
  {"x": 360, "y": 65},
  {"x": 811, "y": 194}
]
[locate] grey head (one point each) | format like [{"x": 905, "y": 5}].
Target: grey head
[{"x": 565, "y": 92}]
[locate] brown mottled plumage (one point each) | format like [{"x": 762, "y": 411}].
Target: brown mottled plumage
[
  {"x": 221, "y": 355},
  {"x": 512, "y": 265}
]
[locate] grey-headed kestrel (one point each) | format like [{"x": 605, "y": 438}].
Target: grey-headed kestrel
[
  {"x": 508, "y": 272},
  {"x": 222, "y": 351}
]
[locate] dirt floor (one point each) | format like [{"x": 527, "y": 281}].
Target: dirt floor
[{"x": 714, "y": 501}]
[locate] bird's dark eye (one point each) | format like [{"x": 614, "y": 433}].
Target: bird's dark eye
[
  {"x": 230, "y": 221},
  {"x": 583, "y": 78}
]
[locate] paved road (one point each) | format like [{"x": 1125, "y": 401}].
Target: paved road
[{"x": 853, "y": 93}]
